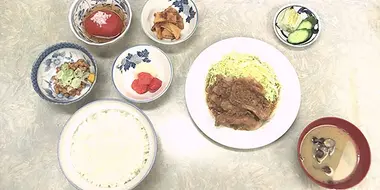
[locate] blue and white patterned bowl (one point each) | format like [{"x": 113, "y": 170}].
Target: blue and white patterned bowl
[
  {"x": 186, "y": 8},
  {"x": 124, "y": 67},
  {"x": 304, "y": 12},
  {"x": 80, "y": 7},
  {"x": 45, "y": 68}
]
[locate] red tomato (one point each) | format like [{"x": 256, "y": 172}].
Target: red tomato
[
  {"x": 145, "y": 78},
  {"x": 139, "y": 88},
  {"x": 154, "y": 85},
  {"x": 103, "y": 23}
]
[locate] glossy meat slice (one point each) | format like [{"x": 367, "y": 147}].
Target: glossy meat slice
[
  {"x": 249, "y": 94},
  {"x": 238, "y": 103},
  {"x": 237, "y": 121}
]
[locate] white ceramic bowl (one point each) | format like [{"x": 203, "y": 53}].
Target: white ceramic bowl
[
  {"x": 66, "y": 139},
  {"x": 123, "y": 72},
  {"x": 186, "y": 8},
  {"x": 305, "y": 12},
  {"x": 80, "y": 7}
]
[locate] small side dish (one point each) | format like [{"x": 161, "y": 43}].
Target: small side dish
[
  {"x": 71, "y": 78},
  {"x": 142, "y": 73},
  {"x": 104, "y": 22},
  {"x": 168, "y": 24},
  {"x": 100, "y": 22},
  {"x": 300, "y": 30},
  {"x": 241, "y": 91},
  {"x": 64, "y": 73},
  {"x": 297, "y": 25}
]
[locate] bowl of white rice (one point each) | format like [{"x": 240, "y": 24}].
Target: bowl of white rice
[{"x": 107, "y": 145}]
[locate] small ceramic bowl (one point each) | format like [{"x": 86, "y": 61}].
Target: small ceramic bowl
[
  {"x": 126, "y": 66},
  {"x": 45, "y": 68},
  {"x": 78, "y": 10},
  {"x": 186, "y": 8},
  {"x": 305, "y": 13},
  {"x": 362, "y": 147}
]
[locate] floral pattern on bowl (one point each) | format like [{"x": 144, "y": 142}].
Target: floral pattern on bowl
[
  {"x": 304, "y": 12},
  {"x": 124, "y": 67},
  {"x": 79, "y": 9},
  {"x": 133, "y": 59},
  {"x": 45, "y": 68},
  {"x": 186, "y": 8}
]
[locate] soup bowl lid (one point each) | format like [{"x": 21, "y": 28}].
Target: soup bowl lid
[{"x": 363, "y": 150}]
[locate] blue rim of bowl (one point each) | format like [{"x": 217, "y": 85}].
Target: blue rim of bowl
[
  {"x": 158, "y": 96},
  {"x": 94, "y": 43},
  {"x": 172, "y": 42},
  {"x": 300, "y": 45},
  {"x": 140, "y": 111},
  {"x": 42, "y": 56}
]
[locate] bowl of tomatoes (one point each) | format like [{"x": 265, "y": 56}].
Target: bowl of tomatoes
[
  {"x": 142, "y": 73},
  {"x": 100, "y": 23}
]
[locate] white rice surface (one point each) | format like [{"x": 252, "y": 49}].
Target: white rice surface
[{"x": 110, "y": 148}]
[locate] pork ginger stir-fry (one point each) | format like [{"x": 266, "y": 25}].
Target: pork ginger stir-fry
[
  {"x": 241, "y": 91},
  {"x": 168, "y": 24}
]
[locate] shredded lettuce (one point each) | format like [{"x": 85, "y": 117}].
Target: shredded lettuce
[{"x": 240, "y": 65}]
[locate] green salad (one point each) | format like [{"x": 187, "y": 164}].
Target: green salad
[{"x": 240, "y": 65}]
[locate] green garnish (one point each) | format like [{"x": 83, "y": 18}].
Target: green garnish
[{"x": 70, "y": 78}]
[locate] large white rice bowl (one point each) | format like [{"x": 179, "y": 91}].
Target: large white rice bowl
[{"x": 107, "y": 144}]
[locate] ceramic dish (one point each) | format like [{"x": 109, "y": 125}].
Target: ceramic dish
[
  {"x": 362, "y": 150},
  {"x": 45, "y": 68},
  {"x": 287, "y": 106},
  {"x": 186, "y": 8},
  {"x": 150, "y": 59},
  {"x": 80, "y": 7},
  {"x": 304, "y": 13},
  {"x": 107, "y": 106}
]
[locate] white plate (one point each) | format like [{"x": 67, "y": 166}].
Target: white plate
[
  {"x": 283, "y": 116},
  {"x": 71, "y": 126}
]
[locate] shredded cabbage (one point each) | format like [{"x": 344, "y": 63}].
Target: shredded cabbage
[{"x": 240, "y": 65}]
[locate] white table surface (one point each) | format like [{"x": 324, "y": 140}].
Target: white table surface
[{"x": 339, "y": 76}]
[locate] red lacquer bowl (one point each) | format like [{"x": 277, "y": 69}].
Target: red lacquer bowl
[{"x": 363, "y": 149}]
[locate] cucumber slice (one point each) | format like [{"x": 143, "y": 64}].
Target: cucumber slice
[
  {"x": 299, "y": 36},
  {"x": 305, "y": 24}
]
